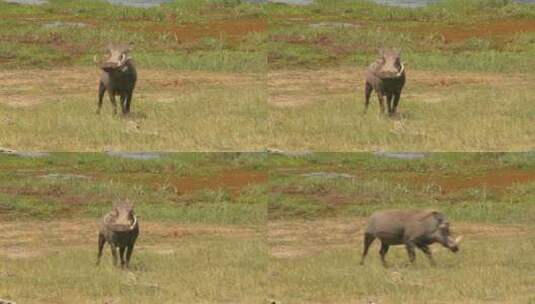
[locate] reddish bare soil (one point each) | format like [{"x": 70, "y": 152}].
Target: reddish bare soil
[
  {"x": 234, "y": 30},
  {"x": 327, "y": 196},
  {"x": 501, "y": 29},
  {"x": 233, "y": 181},
  {"x": 498, "y": 180}
]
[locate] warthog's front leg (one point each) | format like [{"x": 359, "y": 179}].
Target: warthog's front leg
[
  {"x": 428, "y": 253},
  {"x": 129, "y": 251},
  {"x": 389, "y": 97}
]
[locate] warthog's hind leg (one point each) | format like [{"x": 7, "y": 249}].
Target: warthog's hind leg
[
  {"x": 383, "y": 252},
  {"x": 121, "y": 255},
  {"x": 114, "y": 254},
  {"x": 113, "y": 102},
  {"x": 101, "y": 91},
  {"x": 411, "y": 252},
  {"x": 101, "y": 242},
  {"x": 381, "y": 102},
  {"x": 396, "y": 102},
  {"x": 368, "y": 240},
  {"x": 128, "y": 101},
  {"x": 367, "y": 93},
  {"x": 123, "y": 103}
]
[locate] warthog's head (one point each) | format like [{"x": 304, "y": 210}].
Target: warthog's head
[
  {"x": 442, "y": 234},
  {"x": 116, "y": 59},
  {"x": 390, "y": 65},
  {"x": 123, "y": 216}
]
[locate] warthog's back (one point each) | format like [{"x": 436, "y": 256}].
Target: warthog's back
[{"x": 390, "y": 225}]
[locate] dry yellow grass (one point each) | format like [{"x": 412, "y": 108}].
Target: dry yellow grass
[
  {"x": 462, "y": 111},
  {"x": 54, "y": 262},
  {"x": 317, "y": 262}
]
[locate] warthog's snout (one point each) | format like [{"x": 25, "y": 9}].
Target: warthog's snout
[
  {"x": 392, "y": 71},
  {"x": 116, "y": 61},
  {"x": 454, "y": 245},
  {"x": 121, "y": 228},
  {"x": 125, "y": 224}
]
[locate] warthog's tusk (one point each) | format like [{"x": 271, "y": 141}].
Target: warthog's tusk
[
  {"x": 401, "y": 70},
  {"x": 95, "y": 59},
  {"x": 458, "y": 239},
  {"x": 134, "y": 224},
  {"x": 123, "y": 59}
]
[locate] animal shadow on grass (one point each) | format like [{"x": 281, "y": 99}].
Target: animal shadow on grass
[
  {"x": 134, "y": 115},
  {"x": 138, "y": 266}
]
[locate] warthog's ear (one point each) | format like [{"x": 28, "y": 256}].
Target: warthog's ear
[{"x": 436, "y": 214}]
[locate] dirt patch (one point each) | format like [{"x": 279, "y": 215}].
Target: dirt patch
[
  {"x": 53, "y": 191},
  {"x": 23, "y": 88},
  {"x": 320, "y": 194},
  {"x": 234, "y": 30},
  {"x": 290, "y": 88},
  {"x": 294, "y": 239},
  {"x": 498, "y": 180},
  {"x": 289, "y": 239},
  {"x": 37, "y": 238},
  {"x": 233, "y": 181},
  {"x": 500, "y": 29}
]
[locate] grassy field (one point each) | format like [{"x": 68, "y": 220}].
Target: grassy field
[
  {"x": 248, "y": 228},
  {"x": 202, "y": 221},
  {"x": 218, "y": 75},
  {"x": 468, "y": 68},
  {"x": 317, "y": 214},
  {"x": 201, "y": 67}
]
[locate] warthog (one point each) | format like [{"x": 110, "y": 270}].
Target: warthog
[
  {"x": 118, "y": 77},
  {"x": 387, "y": 77},
  {"x": 412, "y": 228},
  {"x": 119, "y": 228}
]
